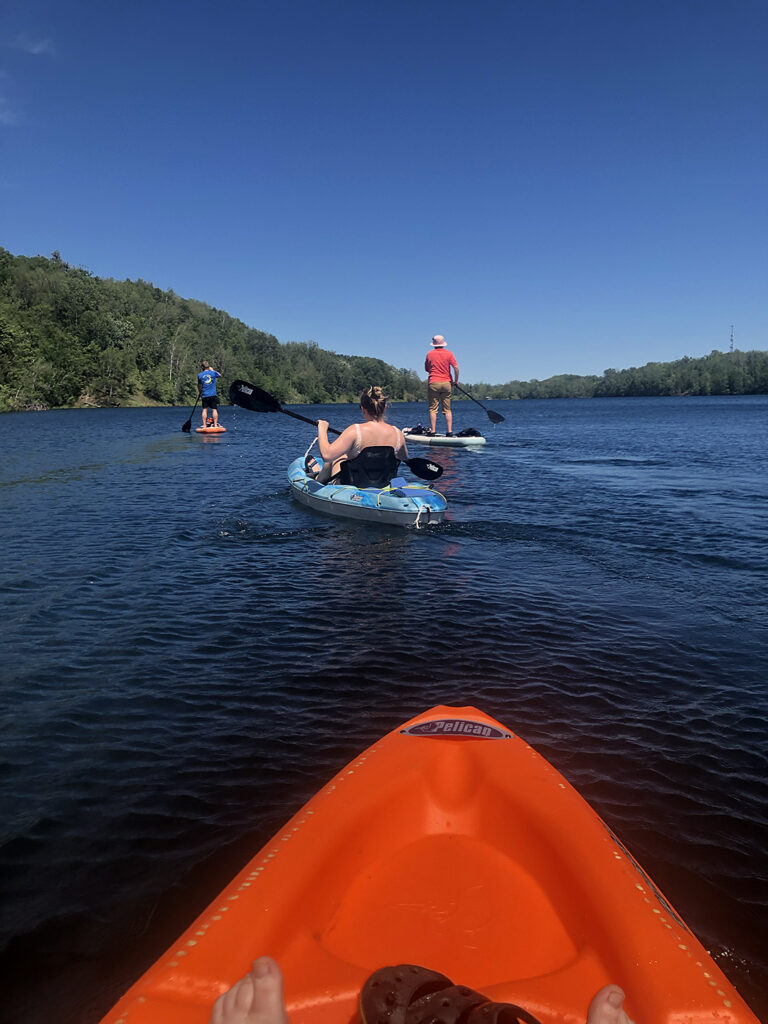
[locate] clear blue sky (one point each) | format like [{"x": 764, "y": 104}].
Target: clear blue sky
[{"x": 557, "y": 186}]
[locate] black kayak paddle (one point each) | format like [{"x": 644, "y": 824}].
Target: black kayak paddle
[
  {"x": 494, "y": 417},
  {"x": 248, "y": 396}
]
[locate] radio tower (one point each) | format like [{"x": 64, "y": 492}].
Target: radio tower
[{"x": 731, "y": 337}]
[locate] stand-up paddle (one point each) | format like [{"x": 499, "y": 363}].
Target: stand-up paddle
[
  {"x": 187, "y": 427},
  {"x": 248, "y": 396},
  {"x": 494, "y": 417}
]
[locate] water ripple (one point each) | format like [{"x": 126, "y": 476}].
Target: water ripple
[{"x": 189, "y": 655}]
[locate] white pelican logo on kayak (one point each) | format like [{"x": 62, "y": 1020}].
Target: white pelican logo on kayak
[{"x": 457, "y": 727}]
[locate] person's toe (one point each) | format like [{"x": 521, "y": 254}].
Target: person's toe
[
  {"x": 607, "y": 1007},
  {"x": 268, "y": 1005},
  {"x": 255, "y": 999}
]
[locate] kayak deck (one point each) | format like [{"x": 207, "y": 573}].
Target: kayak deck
[
  {"x": 451, "y": 844},
  {"x": 400, "y": 504}
]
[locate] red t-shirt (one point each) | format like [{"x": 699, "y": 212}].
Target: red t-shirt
[{"x": 438, "y": 364}]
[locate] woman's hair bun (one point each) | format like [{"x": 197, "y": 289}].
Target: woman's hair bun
[{"x": 374, "y": 400}]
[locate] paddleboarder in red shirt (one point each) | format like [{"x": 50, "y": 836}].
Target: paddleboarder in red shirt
[{"x": 443, "y": 372}]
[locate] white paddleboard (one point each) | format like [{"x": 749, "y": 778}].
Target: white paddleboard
[{"x": 441, "y": 439}]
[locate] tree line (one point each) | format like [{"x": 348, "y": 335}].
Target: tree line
[
  {"x": 719, "y": 373},
  {"x": 69, "y": 338}
]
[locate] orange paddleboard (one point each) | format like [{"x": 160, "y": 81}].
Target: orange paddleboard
[
  {"x": 210, "y": 430},
  {"x": 451, "y": 844}
]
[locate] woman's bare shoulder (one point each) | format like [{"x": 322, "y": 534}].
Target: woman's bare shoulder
[{"x": 351, "y": 429}]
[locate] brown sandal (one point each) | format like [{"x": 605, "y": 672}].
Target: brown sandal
[
  {"x": 407, "y": 994},
  {"x": 389, "y": 992},
  {"x": 500, "y": 1013},
  {"x": 448, "y": 1006}
]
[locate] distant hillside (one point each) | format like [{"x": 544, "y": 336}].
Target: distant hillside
[{"x": 68, "y": 338}]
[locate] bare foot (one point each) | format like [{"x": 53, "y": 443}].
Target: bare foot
[
  {"x": 255, "y": 999},
  {"x": 608, "y": 1007}
]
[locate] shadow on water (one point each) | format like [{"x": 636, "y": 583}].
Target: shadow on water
[{"x": 190, "y": 655}]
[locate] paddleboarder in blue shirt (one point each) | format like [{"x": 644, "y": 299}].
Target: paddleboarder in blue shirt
[{"x": 206, "y": 386}]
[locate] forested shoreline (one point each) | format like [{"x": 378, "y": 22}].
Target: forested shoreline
[
  {"x": 719, "y": 373},
  {"x": 71, "y": 339}
]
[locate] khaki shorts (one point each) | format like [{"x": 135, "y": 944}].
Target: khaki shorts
[{"x": 439, "y": 395}]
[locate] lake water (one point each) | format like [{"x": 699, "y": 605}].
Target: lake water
[{"x": 188, "y": 655}]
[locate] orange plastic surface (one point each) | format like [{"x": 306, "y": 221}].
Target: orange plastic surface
[
  {"x": 462, "y": 850},
  {"x": 210, "y": 430}
]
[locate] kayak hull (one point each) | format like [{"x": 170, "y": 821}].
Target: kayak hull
[
  {"x": 440, "y": 440},
  {"x": 407, "y": 505},
  {"x": 452, "y": 844}
]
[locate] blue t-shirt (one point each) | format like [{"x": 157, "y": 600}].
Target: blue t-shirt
[{"x": 208, "y": 383}]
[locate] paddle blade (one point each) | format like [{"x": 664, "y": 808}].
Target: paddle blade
[
  {"x": 248, "y": 396},
  {"x": 424, "y": 468},
  {"x": 187, "y": 427},
  {"x": 494, "y": 417}
]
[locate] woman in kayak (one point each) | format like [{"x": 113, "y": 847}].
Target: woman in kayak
[
  {"x": 372, "y": 432},
  {"x": 258, "y": 999}
]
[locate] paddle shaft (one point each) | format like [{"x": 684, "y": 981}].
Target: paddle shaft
[
  {"x": 493, "y": 416},
  {"x": 306, "y": 419},
  {"x": 187, "y": 427}
]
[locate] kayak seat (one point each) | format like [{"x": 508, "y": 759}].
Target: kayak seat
[{"x": 373, "y": 467}]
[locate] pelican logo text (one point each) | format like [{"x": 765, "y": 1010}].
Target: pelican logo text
[
  {"x": 457, "y": 727},
  {"x": 244, "y": 390}
]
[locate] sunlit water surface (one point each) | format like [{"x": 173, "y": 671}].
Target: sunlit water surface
[{"x": 188, "y": 656}]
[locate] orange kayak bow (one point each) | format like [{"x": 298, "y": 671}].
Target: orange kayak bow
[{"x": 452, "y": 844}]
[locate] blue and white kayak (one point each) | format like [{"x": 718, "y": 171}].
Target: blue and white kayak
[{"x": 399, "y": 504}]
